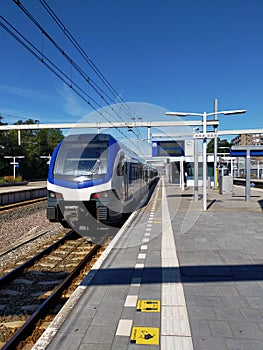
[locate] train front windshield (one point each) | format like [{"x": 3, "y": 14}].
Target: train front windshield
[{"x": 78, "y": 161}]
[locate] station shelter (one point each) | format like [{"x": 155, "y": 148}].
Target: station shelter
[{"x": 177, "y": 156}]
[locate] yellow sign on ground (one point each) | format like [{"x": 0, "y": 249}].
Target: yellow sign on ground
[
  {"x": 148, "y": 305},
  {"x": 157, "y": 220},
  {"x": 145, "y": 335}
]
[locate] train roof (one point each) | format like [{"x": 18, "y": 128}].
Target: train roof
[{"x": 88, "y": 137}]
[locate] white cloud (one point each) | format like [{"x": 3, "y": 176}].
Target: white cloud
[
  {"x": 23, "y": 92},
  {"x": 71, "y": 103}
]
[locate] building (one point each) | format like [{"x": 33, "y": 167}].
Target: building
[{"x": 248, "y": 139}]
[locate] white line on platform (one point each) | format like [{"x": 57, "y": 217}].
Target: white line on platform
[
  {"x": 131, "y": 300},
  {"x": 124, "y": 328},
  {"x": 139, "y": 266},
  {"x": 175, "y": 329}
]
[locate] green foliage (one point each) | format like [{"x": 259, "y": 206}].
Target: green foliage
[
  {"x": 34, "y": 143},
  {"x": 223, "y": 146},
  {"x": 10, "y": 179}
]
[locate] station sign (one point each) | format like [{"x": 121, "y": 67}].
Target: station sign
[
  {"x": 206, "y": 135},
  {"x": 170, "y": 148}
]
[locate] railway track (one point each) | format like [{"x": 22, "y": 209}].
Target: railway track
[
  {"x": 22, "y": 203},
  {"x": 30, "y": 292},
  {"x": 253, "y": 182}
]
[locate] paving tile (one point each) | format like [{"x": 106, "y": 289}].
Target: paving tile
[
  {"x": 99, "y": 335},
  {"x": 228, "y": 314},
  {"x": 220, "y": 329},
  {"x": 90, "y": 346},
  {"x": 201, "y": 312},
  {"x": 200, "y": 327},
  {"x": 255, "y": 302},
  {"x": 209, "y": 343},
  {"x": 247, "y": 330},
  {"x": 252, "y": 314},
  {"x": 243, "y": 344}
]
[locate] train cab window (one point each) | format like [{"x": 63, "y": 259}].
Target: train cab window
[
  {"x": 120, "y": 167},
  {"x": 77, "y": 161}
]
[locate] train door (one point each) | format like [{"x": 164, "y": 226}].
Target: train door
[{"x": 126, "y": 180}]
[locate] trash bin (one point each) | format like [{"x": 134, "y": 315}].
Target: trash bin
[{"x": 226, "y": 184}]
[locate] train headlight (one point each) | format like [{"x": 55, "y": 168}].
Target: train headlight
[
  {"x": 57, "y": 195},
  {"x": 51, "y": 194},
  {"x": 100, "y": 195}
]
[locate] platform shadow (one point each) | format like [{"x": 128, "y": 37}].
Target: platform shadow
[
  {"x": 261, "y": 203},
  {"x": 184, "y": 274}
]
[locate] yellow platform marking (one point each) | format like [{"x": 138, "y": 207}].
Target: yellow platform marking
[
  {"x": 145, "y": 335},
  {"x": 157, "y": 220},
  {"x": 148, "y": 305}
]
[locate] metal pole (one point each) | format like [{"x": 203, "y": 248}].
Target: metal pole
[
  {"x": 231, "y": 167},
  {"x": 248, "y": 175},
  {"x": 149, "y": 134},
  {"x": 182, "y": 173},
  {"x": 215, "y": 146},
  {"x": 14, "y": 167},
  {"x": 19, "y": 137},
  {"x": 196, "y": 169},
  {"x": 204, "y": 165}
]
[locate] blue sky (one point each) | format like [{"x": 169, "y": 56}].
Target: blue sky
[{"x": 175, "y": 54}]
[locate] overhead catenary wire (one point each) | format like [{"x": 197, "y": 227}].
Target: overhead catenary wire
[
  {"x": 99, "y": 91},
  {"x": 52, "y": 67},
  {"x": 56, "y": 70},
  {"x": 84, "y": 55}
]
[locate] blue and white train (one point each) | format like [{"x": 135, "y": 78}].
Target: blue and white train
[{"x": 93, "y": 174}]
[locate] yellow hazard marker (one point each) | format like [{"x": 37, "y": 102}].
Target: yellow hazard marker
[
  {"x": 148, "y": 306},
  {"x": 145, "y": 335}
]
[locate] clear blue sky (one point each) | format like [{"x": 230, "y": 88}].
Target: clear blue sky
[{"x": 176, "y": 54}]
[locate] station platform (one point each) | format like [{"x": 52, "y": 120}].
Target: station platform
[
  {"x": 22, "y": 192},
  {"x": 174, "y": 277}
]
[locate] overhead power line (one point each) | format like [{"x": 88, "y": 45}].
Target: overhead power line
[
  {"x": 39, "y": 54},
  {"x": 84, "y": 55},
  {"x": 100, "y": 92}
]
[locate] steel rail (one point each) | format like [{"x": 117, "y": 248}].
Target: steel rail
[
  {"x": 44, "y": 308},
  {"x": 13, "y": 274}
]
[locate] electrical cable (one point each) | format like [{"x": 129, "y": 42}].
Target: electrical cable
[{"x": 58, "y": 72}]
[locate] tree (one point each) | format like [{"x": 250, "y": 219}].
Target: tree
[
  {"x": 220, "y": 143},
  {"x": 34, "y": 143}
]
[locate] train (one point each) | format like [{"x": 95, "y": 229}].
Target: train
[{"x": 95, "y": 176}]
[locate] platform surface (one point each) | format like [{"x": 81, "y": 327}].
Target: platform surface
[
  {"x": 176, "y": 277},
  {"x": 29, "y": 186}
]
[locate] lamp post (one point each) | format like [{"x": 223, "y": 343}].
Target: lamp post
[
  {"x": 205, "y": 136},
  {"x": 14, "y": 163},
  {"x": 195, "y": 130}
]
